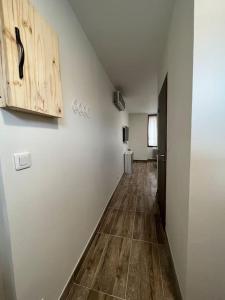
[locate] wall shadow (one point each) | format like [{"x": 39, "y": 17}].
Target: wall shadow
[
  {"x": 23, "y": 119},
  {"x": 6, "y": 265}
]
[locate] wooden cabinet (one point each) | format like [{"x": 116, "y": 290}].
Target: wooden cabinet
[{"x": 29, "y": 61}]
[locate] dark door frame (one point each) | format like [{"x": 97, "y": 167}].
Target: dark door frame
[{"x": 162, "y": 150}]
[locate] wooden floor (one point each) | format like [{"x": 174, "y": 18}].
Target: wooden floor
[{"x": 128, "y": 257}]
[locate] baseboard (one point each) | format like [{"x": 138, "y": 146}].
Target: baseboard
[
  {"x": 69, "y": 283},
  {"x": 177, "y": 286}
]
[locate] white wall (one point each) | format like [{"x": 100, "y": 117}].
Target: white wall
[
  {"x": 206, "y": 263},
  {"x": 138, "y": 129},
  {"x": 54, "y": 206},
  {"x": 178, "y": 62},
  {"x": 2, "y": 296},
  {"x": 7, "y": 285}
]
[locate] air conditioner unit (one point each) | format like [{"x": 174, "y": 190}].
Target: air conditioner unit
[{"x": 118, "y": 101}]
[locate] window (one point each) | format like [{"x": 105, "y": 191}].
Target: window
[{"x": 152, "y": 131}]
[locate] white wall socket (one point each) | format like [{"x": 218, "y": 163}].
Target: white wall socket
[{"x": 22, "y": 160}]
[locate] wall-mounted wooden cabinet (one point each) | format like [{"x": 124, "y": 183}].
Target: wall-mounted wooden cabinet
[{"x": 29, "y": 61}]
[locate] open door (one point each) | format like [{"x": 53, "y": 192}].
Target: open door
[{"x": 162, "y": 151}]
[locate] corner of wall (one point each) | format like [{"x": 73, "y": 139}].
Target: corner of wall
[{"x": 6, "y": 266}]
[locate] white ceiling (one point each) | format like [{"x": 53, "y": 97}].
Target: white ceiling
[{"x": 129, "y": 37}]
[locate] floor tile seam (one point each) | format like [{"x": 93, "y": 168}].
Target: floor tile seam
[
  {"x": 100, "y": 262},
  {"x": 98, "y": 291},
  {"x": 117, "y": 236},
  {"x": 123, "y": 238},
  {"x": 161, "y": 275},
  {"x": 129, "y": 261},
  {"x": 110, "y": 232},
  {"x": 110, "y": 208},
  {"x": 159, "y": 268},
  {"x": 114, "y": 221},
  {"x": 148, "y": 242}
]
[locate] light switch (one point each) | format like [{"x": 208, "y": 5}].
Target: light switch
[{"x": 22, "y": 160}]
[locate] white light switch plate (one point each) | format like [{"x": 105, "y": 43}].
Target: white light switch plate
[{"x": 22, "y": 160}]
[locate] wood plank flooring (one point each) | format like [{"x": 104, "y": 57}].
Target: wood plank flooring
[{"x": 128, "y": 258}]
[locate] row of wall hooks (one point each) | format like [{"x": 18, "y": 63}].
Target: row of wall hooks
[{"x": 81, "y": 109}]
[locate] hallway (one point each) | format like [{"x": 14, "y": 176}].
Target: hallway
[{"x": 128, "y": 257}]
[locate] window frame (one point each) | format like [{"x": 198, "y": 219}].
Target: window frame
[{"x": 151, "y": 115}]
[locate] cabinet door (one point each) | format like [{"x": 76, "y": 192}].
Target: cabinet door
[{"x": 33, "y": 85}]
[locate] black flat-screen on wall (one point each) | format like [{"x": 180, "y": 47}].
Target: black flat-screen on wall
[{"x": 125, "y": 134}]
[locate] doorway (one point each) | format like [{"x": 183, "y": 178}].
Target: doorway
[{"x": 162, "y": 150}]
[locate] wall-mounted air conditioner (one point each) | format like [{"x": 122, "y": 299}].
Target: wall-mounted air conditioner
[{"x": 118, "y": 101}]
